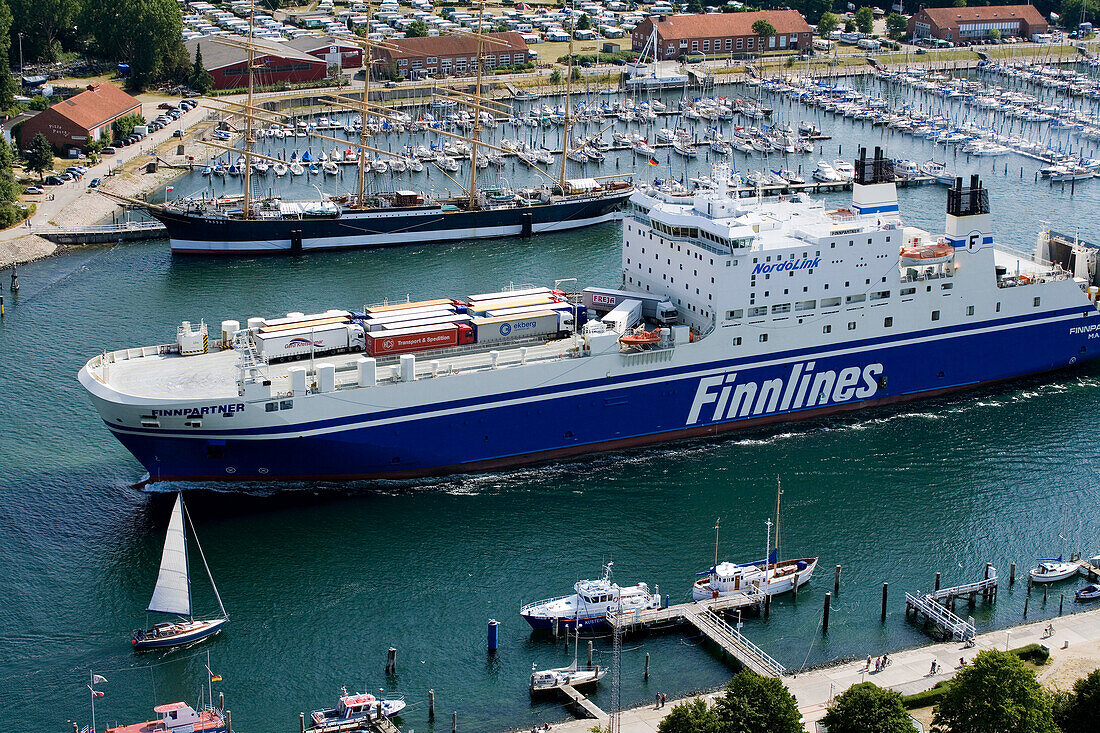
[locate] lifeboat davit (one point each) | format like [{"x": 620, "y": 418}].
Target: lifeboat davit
[
  {"x": 641, "y": 338},
  {"x": 926, "y": 254}
]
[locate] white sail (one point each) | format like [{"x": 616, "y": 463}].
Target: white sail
[{"x": 173, "y": 591}]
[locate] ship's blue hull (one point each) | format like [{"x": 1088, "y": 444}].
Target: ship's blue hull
[
  {"x": 544, "y": 623},
  {"x": 647, "y": 406}
]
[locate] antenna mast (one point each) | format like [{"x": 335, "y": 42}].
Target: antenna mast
[{"x": 248, "y": 115}]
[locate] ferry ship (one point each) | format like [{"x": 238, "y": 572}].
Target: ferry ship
[{"x": 787, "y": 310}]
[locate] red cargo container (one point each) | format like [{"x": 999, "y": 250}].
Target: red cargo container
[{"x": 405, "y": 340}]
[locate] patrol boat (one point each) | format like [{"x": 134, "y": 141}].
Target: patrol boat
[
  {"x": 590, "y": 604},
  {"x": 789, "y": 309}
]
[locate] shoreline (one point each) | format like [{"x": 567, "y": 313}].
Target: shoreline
[{"x": 1074, "y": 652}]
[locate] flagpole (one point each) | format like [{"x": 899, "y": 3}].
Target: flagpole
[{"x": 91, "y": 679}]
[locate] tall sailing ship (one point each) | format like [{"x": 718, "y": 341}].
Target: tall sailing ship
[{"x": 363, "y": 219}]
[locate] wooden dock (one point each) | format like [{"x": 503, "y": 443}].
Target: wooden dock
[
  {"x": 705, "y": 616},
  {"x": 384, "y": 725},
  {"x": 582, "y": 702},
  {"x": 950, "y": 625}
]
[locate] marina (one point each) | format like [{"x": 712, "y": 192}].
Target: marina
[{"x": 493, "y": 520}]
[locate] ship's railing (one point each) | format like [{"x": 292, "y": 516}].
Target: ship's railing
[
  {"x": 137, "y": 352},
  {"x": 130, "y": 226},
  {"x": 534, "y": 604}
]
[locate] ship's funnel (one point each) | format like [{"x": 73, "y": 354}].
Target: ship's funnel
[
  {"x": 873, "y": 189},
  {"x": 969, "y": 224}
]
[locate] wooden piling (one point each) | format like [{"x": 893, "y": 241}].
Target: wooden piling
[
  {"x": 825, "y": 614},
  {"x": 767, "y": 605},
  {"x": 590, "y": 654},
  {"x": 646, "y": 674},
  {"x": 301, "y": 723},
  {"x": 1061, "y": 601},
  {"x": 794, "y": 591},
  {"x": 391, "y": 661},
  {"x": 937, "y": 582},
  {"x": 228, "y": 722},
  {"x": 1045, "y": 589},
  {"x": 454, "y": 722},
  {"x": 431, "y": 704},
  {"x": 1026, "y": 599},
  {"x": 836, "y": 581},
  {"x": 884, "y": 590}
]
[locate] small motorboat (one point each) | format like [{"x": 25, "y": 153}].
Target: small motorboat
[
  {"x": 926, "y": 254},
  {"x": 589, "y": 605},
  {"x": 296, "y": 169},
  {"x": 330, "y": 168},
  {"x": 1052, "y": 569},
  {"x": 1090, "y": 592},
  {"x": 279, "y": 169},
  {"x": 178, "y": 716},
  {"x": 355, "y": 711}
]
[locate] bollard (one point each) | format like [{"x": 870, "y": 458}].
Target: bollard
[
  {"x": 454, "y": 722},
  {"x": 391, "y": 661},
  {"x": 646, "y": 674},
  {"x": 494, "y": 625},
  {"x": 937, "y": 581},
  {"x": 590, "y": 654},
  {"x": 431, "y": 704},
  {"x": 1061, "y": 600},
  {"x": 1012, "y": 574},
  {"x": 825, "y": 614},
  {"x": 884, "y": 587}
]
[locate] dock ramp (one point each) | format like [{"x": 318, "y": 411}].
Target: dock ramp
[{"x": 734, "y": 643}]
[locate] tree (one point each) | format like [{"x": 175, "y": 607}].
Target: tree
[
  {"x": 994, "y": 693},
  {"x": 583, "y": 23},
  {"x": 849, "y": 25},
  {"x": 156, "y": 52},
  {"x": 896, "y": 25},
  {"x": 40, "y": 156},
  {"x": 827, "y": 24},
  {"x": 696, "y": 6},
  {"x": 9, "y": 189},
  {"x": 200, "y": 79},
  {"x": 7, "y": 85},
  {"x": 867, "y": 708},
  {"x": 763, "y": 28},
  {"x": 1079, "y": 711},
  {"x": 124, "y": 126},
  {"x": 555, "y": 76},
  {"x": 755, "y": 704},
  {"x": 47, "y": 26},
  {"x": 995, "y": 34},
  {"x": 690, "y": 716},
  {"x": 416, "y": 29},
  {"x": 576, "y": 75},
  {"x": 865, "y": 20},
  {"x": 813, "y": 9}
]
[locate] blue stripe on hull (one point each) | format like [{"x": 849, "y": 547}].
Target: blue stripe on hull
[
  {"x": 621, "y": 416},
  {"x": 547, "y": 624}
]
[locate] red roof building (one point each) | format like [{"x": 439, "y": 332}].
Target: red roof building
[
  {"x": 452, "y": 54},
  {"x": 971, "y": 24},
  {"x": 274, "y": 63},
  {"x": 722, "y": 34},
  {"x": 82, "y": 118}
]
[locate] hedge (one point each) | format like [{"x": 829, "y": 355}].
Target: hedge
[
  {"x": 926, "y": 698},
  {"x": 1035, "y": 653}
]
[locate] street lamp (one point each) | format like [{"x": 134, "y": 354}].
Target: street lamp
[{"x": 20, "y": 58}]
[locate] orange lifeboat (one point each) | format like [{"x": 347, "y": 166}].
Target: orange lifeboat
[
  {"x": 641, "y": 337},
  {"x": 926, "y": 254}
]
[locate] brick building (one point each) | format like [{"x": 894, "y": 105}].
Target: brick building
[
  {"x": 722, "y": 33},
  {"x": 80, "y": 119},
  {"x": 275, "y": 63},
  {"x": 346, "y": 55},
  {"x": 972, "y": 24},
  {"x": 452, "y": 54}
]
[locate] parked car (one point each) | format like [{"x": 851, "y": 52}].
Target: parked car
[
  {"x": 165, "y": 105},
  {"x": 110, "y": 150},
  {"x": 68, "y": 177},
  {"x": 94, "y": 183},
  {"x": 34, "y": 190},
  {"x": 53, "y": 181},
  {"x": 177, "y": 133}
]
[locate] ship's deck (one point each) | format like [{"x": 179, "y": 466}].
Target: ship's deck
[{"x": 144, "y": 373}]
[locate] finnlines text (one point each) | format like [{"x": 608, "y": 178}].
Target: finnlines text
[
  {"x": 723, "y": 397},
  {"x": 786, "y": 265}
]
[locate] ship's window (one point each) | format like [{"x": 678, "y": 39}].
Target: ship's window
[
  {"x": 998, "y": 306},
  {"x": 271, "y": 407},
  {"x": 805, "y": 305},
  {"x": 286, "y": 404},
  {"x": 727, "y": 263},
  {"x": 880, "y": 295},
  {"x": 759, "y": 310},
  {"x": 784, "y": 308},
  {"x": 736, "y": 340},
  {"x": 869, "y": 240},
  {"x": 858, "y": 298},
  {"x": 851, "y": 325},
  {"x": 826, "y": 329},
  {"x": 1036, "y": 303},
  {"x": 969, "y": 310},
  {"x": 763, "y": 337},
  {"x": 946, "y": 286},
  {"x": 935, "y": 315},
  {"x": 830, "y": 302},
  {"x": 888, "y": 321}
]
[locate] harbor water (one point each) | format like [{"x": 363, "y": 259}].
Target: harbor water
[{"x": 320, "y": 580}]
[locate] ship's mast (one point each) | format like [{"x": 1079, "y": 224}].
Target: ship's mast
[
  {"x": 477, "y": 116},
  {"x": 369, "y": 59},
  {"x": 568, "y": 103},
  {"x": 248, "y": 115}
]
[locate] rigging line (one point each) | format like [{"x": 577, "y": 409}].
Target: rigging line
[
  {"x": 813, "y": 640},
  {"x": 174, "y": 660}
]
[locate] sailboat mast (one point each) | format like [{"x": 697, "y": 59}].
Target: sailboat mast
[
  {"x": 778, "y": 495},
  {"x": 186, "y": 562},
  {"x": 363, "y": 114},
  {"x": 204, "y": 564},
  {"x": 716, "y": 522},
  {"x": 248, "y": 121},
  {"x": 477, "y": 116}
]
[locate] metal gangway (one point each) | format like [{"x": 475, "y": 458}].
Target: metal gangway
[
  {"x": 987, "y": 587},
  {"x": 944, "y": 619},
  {"x": 733, "y": 642}
]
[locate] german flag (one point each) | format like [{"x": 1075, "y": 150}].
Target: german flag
[
  {"x": 215, "y": 678},
  {"x": 654, "y": 161}
]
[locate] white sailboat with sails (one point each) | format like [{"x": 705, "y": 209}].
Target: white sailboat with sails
[{"x": 172, "y": 594}]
